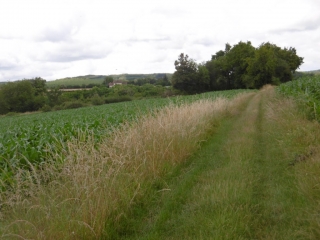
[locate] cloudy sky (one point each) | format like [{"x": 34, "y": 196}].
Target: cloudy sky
[{"x": 65, "y": 38}]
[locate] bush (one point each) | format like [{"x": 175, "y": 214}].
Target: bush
[
  {"x": 97, "y": 100},
  {"x": 118, "y": 99},
  {"x": 57, "y": 108},
  {"x": 10, "y": 114},
  {"x": 45, "y": 108},
  {"x": 73, "y": 104}
]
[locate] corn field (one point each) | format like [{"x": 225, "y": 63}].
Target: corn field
[{"x": 307, "y": 91}]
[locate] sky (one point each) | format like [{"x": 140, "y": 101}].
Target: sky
[{"x": 54, "y": 39}]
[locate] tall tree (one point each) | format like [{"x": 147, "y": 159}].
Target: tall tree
[
  {"x": 18, "y": 96},
  {"x": 237, "y": 63},
  {"x": 107, "y": 80},
  {"x": 189, "y": 76},
  {"x": 184, "y": 78},
  {"x": 271, "y": 65}
]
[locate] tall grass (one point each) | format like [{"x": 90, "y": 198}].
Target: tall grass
[
  {"x": 95, "y": 193},
  {"x": 299, "y": 139}
]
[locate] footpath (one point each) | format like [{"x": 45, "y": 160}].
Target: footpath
[{"x": 239, "y": 186}]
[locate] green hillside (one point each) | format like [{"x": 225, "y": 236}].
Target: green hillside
[
  {"x": 98, "y": 79},
  {"x": 316, "y": 72}
]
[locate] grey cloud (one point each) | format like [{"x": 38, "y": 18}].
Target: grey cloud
[
  {"x": 61, "y": 31},
  {"x": 59, "y": 34},
  {"x": 174, "y": 43},
  {"x": 161, "y": 39},
  {"x": 307, "y": 25},
  {"x": 7, "y": 65},
  {"x": 9, "y": 76},
  {"x": 205, "y": 41},
  {"x": 159, "y": 58},
  {"x": 75, "y": 52}
]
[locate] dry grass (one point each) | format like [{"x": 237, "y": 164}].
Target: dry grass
[
  {"x": 299, "y": 139},
  {"x": 92, "y": 194}
]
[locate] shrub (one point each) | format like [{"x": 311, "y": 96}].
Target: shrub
[
  {"x": 97, "y": 100},
  {"x": 73, "y": 104},
  {"x": 9, "y": 114},
  {"x": 45, "y": 108},
  {"x": 118, "y": 99}
]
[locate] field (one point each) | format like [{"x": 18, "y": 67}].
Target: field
[
  {"x": 306, "y": 90},
  {"x": 89, "y": 79},
  {"x": 245, "y": 166},
  {"x": 30, "y": 138}
]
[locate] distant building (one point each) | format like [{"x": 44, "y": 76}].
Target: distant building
[{"x": 117, "y": 82}]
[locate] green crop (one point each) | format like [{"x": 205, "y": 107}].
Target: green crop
[
  {"x": 29, "y": 139},
  {"x": 307, "y": 91}
]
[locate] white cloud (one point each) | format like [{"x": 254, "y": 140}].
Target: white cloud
[{"x": 64, "y": 38}]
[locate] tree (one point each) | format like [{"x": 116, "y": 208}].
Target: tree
[
  {"x": 186, "y": 77},
  {"x": 237, "y": 63},
  {"x": 40, "y": 90},
  {"x": 271, "y": 65},
  {"x": 54, "y": 96},
  {"x": 220, "y": 70},
  {"x": 4, "y": 108},
  {"x": 244, "y": 66},
  {"x": 39, "y": 85},
  {"x": 107, "y": 80},
  {"x": 164, "y": 81},
  {"x": 203, "y": 78},
  {"x": 261, "y": 68},
  {"x": 18, "y": 96}
]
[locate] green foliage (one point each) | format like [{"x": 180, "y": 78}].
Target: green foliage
[
  {"x": 189, "y": 76},
  {"x": 118, "y": 99},
  {"x": 236, "y": 67},
  {"x": 39, "y": 86},
  {"x": 73, "y": 104},
  {"x": 97, "y": 100},
  {"x": 164, "y": 81},
  {"x": 54, "y": 96},
  {"x": 107, "y": 80},
  {"x": 96, "y": 80},
  {"x": 307, "y": 91},
  {"x": 237, "y": 63},
  {"x": 32, "y": 136},
  {"x": 17, "y": 96},
  {"x": 45, "y": 108},
  {"x": 81, "y": 81},
  {"x": 272, "y": 65},
  {"x": 23, "y": 96}
]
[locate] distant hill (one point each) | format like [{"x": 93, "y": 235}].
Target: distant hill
[
  {"x": 98, "y": 79},
  {"x": 316, "y": 72},
  {"x": 79, "y": 80}
]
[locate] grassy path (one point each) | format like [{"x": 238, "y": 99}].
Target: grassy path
[{"x": 239, "y": 186}]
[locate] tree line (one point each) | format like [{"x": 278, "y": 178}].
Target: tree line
[
  {"x": 236, "y": 67},
  {"x": 33, "y": 95}
]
